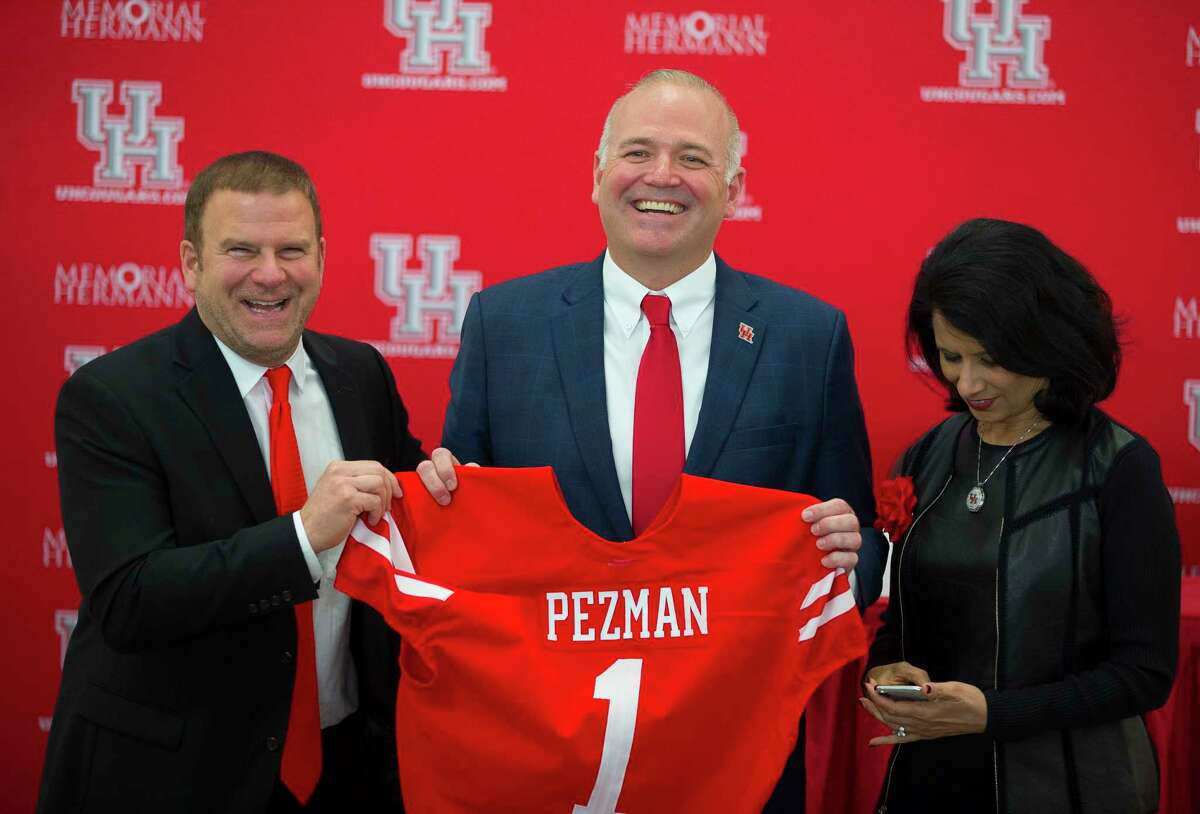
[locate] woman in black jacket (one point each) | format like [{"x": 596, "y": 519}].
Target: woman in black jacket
[{"x": 1035, "y": 596}]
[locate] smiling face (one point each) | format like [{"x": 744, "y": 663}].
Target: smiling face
[
  {"x": 257, "y": 273},
  {"x": 1000, "y": 400},
  {"x": 661, "y": 191}
]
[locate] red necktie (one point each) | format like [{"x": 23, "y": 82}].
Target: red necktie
[
  {"x": 657, "y": 416},
  {"x": 301, "y": 766}
]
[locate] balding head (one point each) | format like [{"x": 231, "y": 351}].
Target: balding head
[{"x": 732, "y": 156}]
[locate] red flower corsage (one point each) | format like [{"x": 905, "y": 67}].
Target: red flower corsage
[{"x": 894, "y": 504}]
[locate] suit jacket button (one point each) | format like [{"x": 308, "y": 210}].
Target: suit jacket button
[
  {"x": 272, "y": 744},
  {"x": 264, "y": 604},
  {"x": 253, "y": 609},
  {"x": 287, "y": 596},
  {"x": 285, "y": 657},
  {"x": 275, "y": 601}
]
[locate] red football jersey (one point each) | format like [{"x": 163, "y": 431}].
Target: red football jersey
[{"x": 546, "y": 669}]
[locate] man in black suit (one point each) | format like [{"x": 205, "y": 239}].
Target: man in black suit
[{"x": 179, "y": 676}]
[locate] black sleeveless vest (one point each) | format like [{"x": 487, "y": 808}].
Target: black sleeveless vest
[{"x": 1049, "y": 613}]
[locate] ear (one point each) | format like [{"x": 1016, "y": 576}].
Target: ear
[
  {"x": 189, "y": 262},
  {"x": 596, "y": 173},
  {"x": 321, "y": 258},
  {"x": 735, "y": 192}
]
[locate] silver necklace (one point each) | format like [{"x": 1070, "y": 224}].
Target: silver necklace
[{"x": 977, "y": 497}]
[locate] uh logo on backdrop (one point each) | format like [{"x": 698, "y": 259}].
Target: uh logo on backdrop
[
  {"x": 137, "y": 149},
  {"x": 1003, "y": 55},
  {"x": 430, "y": 300},
  {"x": 445, "y": 47}
]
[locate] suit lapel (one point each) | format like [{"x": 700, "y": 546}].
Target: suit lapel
[
  {"x": 206, "y": 385},
  {"x": 579, "y": 350},
  {"x": 731, "y": 360},
  {"x": 344, "y": 398}
]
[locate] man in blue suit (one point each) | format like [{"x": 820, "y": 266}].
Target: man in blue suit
[{"x": 548, "y": 367}]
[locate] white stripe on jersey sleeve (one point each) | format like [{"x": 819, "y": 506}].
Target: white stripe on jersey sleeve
[
  {"x": 421, "y": 588},
  {"x": 396, "y": 553},
  {"x": 401, "y": 561},
  {"x": 365, "y": 536},
  {"x": 393, "y": 550},
  {"x": 833, "y": 608},
  {"x": 821, "y": 587}
]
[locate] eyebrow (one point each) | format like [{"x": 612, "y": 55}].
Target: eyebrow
[
  {"x": 230, "y": 242},
  {"x": 642, "y": 141}
]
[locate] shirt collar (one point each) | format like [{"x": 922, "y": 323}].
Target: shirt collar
[
  {"x": 690, "y": 295},
  {"x": 247, "y": 374}
]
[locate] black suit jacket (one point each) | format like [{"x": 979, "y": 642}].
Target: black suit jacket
[{"x": 178, "y": 677}]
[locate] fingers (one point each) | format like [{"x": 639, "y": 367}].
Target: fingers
[
  {"x": 843, "y": 548},
  {"x": 902, "y": 672},
  {"x": 369, "y": 492},
  {"x": 945, "y": 691},
  {"x": 837, "y": 531},
  {"x": 875, "y": 704},
  {"x": 951, "y": 707},
  {"x": 916, "y": 715},
  {"x": 433, "y": 482},
  {"x": 846, "y": 560},
  {"x": 872, "y": 710},
  {"x": 850, "y": 541},
  {"x": 369, "y": 504},
  {"x": 878, "y": 675},
  {"x": 893, "y": 712},
  {"x": 345, "y": 490},
  {"x": 373, "y": 494},
  {"x": 898, "y": 672},
  {"x": 438, "y": 476},
  {"x": 887, "y": 740},
  {"x": 444, "y": 463},
  {"x": 385, "y": 479},
  {"x": 915, "y": 675},
  {"x": 891, "y": 723},
  {"x": 830, "y": 508}
]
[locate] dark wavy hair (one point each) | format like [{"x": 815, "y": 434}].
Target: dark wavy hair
[{"x": 1035, "y": 310}]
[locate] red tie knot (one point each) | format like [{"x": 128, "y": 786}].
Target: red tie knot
[
  {"x": 278, "y": 378},
  {"x": 657, "y": 308}
]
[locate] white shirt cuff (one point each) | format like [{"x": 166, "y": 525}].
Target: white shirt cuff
[{"x": 314, "y": 565}]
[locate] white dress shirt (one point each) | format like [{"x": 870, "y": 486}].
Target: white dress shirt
[
  {"x": 626, "y": 331},
  {"x": 317, "y": 437}
]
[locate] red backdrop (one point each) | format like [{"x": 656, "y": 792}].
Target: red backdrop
[{"x": 451, "y": 143}]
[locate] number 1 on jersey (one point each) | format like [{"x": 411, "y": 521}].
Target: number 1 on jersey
[{"x": 620, "y": 685}]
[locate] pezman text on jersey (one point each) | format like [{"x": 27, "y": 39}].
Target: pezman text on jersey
[{"x": 625, "y": 614}]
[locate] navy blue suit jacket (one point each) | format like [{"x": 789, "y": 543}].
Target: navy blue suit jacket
[{"x": 781, "y": 411}]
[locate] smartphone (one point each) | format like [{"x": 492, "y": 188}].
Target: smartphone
[{"x": 902, "y": 692}]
